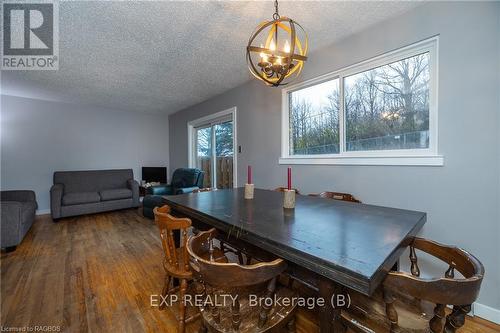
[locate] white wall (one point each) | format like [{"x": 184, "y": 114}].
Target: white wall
[
  {"x": 462, "y": 197},
  {"x": 39, "y": 137}
]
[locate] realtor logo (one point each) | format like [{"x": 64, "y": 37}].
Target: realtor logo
[{"x": 30, "y": 36}]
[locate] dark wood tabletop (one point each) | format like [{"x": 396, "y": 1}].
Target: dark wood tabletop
[{"x": 350, "y": 243}]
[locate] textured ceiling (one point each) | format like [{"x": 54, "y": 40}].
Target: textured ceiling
[{"x": 165, "y": 56}]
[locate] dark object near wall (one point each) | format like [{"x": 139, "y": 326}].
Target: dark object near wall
[
  {"x": 149, "y": 203},
  {"x": 154, "y": 174},
  {"x": 18, "y": 214},
  {"x": 184, "y": 180},
  {"x": 85, "y": 192}
]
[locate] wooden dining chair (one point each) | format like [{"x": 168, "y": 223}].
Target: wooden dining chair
[
  {"x": 282, "y": 189},
  {"x": 337, "y": 196},
  {"x": 176, "y": 261},
  {"x": 416, "y": 304},
  {"x": 237, "y": 314}
]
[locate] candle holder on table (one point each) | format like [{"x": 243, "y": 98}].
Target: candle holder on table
[
  {"x": 289, "y": 199},
  {"x": 249, "y": 189}
]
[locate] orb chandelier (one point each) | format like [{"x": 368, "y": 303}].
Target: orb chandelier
[{"x": 281, "y": 51}]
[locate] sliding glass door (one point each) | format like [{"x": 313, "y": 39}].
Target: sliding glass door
[{"x": 214, "y": 151}]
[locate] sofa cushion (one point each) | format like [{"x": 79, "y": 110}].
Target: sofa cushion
[
  {"x": 78, "y": 198},
  {"x": 120, "y": 193}
]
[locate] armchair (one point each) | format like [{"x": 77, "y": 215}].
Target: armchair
[
  {"x": 184, "y": 180},
  {"x": 17, "y": 215}
]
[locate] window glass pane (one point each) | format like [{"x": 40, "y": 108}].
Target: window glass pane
[
  {"x": 224, "y": 139},
  {"x": 314, "y": 119},
  {"x": 204, "y": 153},
  {"x": 224, "y": 153},
  {"x": 388, "y": 107}
]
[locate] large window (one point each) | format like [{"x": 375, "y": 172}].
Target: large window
[{"x": 381, "y": 111}]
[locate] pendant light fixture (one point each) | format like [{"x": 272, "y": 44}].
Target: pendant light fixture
[{"x": 277, "y": 49}]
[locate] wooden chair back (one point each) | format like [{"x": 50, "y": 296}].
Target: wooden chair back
[
  {"x": 239, "y": 281},
  {"x": 282, "y": 189},
  {"x": 228, "y": 274},
  {"x": 176, "y": 259},
  {"x": 337, "y": 196},
  {"x": 442, "y": 291}
]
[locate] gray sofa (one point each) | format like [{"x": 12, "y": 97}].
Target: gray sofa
[
  {"x": 83, "y": 192},
  {"x": 18, "y": 214}
]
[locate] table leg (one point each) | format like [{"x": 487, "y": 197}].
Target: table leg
[{"x": 329, "y": 317}]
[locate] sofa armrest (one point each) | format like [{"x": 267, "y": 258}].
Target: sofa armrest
[
  {"x": 10, "y": 223},
  {"x": 160, "y": 190},
  {"x": 133, "y": 185},
  {"x": 56, "y": 194},
  {"x": 18, "y": 195},
  {"x": 185, "y": 190}
]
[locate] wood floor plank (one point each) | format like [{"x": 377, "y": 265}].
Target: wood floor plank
[{"x": 96, "y": 273}]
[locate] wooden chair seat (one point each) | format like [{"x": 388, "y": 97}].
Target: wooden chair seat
[{"x": 250, "y": 314}]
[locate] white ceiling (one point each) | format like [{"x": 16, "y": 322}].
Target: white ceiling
[{"x": 165, "y": 56}]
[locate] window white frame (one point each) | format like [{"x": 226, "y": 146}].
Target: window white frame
[
  {"x": 428, "y": 156},
  {"x": 210, "y": 120}
]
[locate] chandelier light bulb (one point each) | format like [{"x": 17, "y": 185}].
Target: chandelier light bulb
[
  {"x": 287, "y": 47},
  {"x": 272, "y": 47},
  {"x": 263, "y": 56}
]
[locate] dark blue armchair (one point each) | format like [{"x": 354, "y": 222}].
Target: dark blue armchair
[{"x": 184, "y": 180}]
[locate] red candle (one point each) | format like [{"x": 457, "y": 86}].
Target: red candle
[
  {"x": 289, "y": 179},
  {"x": 249, "y": 175}
]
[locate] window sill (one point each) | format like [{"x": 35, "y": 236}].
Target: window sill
[{"x": 432, "y": 160}]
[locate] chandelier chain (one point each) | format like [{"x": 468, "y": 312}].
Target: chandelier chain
[{"x": 276, "y": 15}]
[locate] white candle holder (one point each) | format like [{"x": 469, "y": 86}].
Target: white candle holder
[
  {"x": 249, "y": 189},
  {"x": 289, "y": 199}
]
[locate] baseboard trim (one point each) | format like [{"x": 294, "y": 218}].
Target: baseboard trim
[
  {"x": 43, "y": 212},
  {"x": 487, "y": 312}
]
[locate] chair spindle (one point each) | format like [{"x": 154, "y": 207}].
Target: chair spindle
[{"x": 415, "y": 270}]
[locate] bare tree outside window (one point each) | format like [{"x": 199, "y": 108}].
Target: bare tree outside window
[
  {"x": 385, "y": 108},
  {"x": 388, "y": 107},
  {"x": 314, "y": 119}
]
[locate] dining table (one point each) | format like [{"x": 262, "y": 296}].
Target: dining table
[{"x": 330, "y": 245}]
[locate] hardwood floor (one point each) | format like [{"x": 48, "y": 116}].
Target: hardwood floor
[{"x": 96, "y": 273}]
